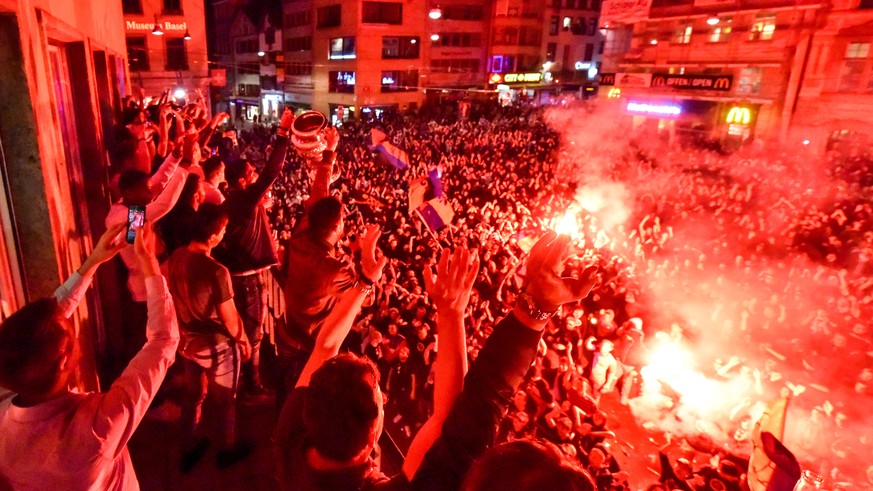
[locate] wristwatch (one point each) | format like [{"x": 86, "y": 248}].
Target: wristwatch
[
  {"x": 362, "y": 286},
  {"x": 530, "y": 307}
]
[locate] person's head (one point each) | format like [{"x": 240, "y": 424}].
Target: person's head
[
  {"x": 134, "y": 116},
  {"x": 403, "y": 354},
  {"x": 606, "y": 346},
  {"x": 422, "y": 331},
  {"x": 326, "y": 220},
  {"x": 526, "y": 465},
  {"x": 192, "y": 192},
  {"x": 519, "y": 400},
  {"x": 135, "y": 187},
  {"x": 239, "y": 174},
  {"x": 343, "y": 408},
  {"x": 209, "y": 225},
  {"x": 375, "y": 337},
  {"x": 392, "y": 329},
  {"x": 213, "y": 170},
  {"x": 38, "y": 350},
  {"x": 520, "y": 421}
]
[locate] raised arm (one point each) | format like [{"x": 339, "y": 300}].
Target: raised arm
[
  {"x": 122, "y": 408},
  {"x": 450, "y": 291},
  {"x": 336, "y": 326},
  {"x": 500, "y": 368},
  {"x": 277, "y": 158},
  {"x": 73, "y": 290}
]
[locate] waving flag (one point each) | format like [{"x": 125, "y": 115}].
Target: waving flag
[
  {"x": 436, "y": 213},
  {"x": 417, "y": 191},
  {"x": 772, "y": 467},
  {"x": 387, "y": 151}
]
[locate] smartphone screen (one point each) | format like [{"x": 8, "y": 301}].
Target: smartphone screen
[{"x": 135, "y": 221}]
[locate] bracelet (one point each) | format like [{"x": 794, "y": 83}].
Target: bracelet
[
  {"x": 363, "y": 288},
  {"x": 530, "y": 307}
]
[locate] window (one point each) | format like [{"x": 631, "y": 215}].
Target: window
[
  {"x": 249, "y": 90},
  {"x": 131, "y": 6},
  {"x": 858, "y": 50},
  {"x": 556, "y": 4},
  {"x": 567, "y": 22},
  {"x": 303, "y": 43},
  {"x": 454, "y": 65},
  {"x": 763, "y": 28},
  {"x": 400, "y": 47},
  {"x": 750, "y": 81},
  {"x": 565, "y": 59},
  {"x": 459, "y": 40},
  {"x": 683, "y": 34},
  {"x": 342, "y": 49},
  {"x": 866, "y": 4},
  {"x": 589, "y": 52},
  {"x": 137, "y": 54},
  {"x": 400, "y": 81},
  {"x": 297, "y": 19},
  {"x": 341, "y": 82},
  {"x": 592, "y": 26},
  {"x": 383, "y": 13},
  {"x": 330, "y": 16},
  {"x": 851, "y": 75},
  {"x": 462, "y": 12},
  {"x": 553, "y": 25},
  {"x": 721, "y": 32},
  {"x": 551, "y": 51},
  {"x": 571, "y": 4},
  {"x": 172, "y": 7},
  {"x": 502, "y": 63},
  {"x": 600, "y": 49},
  {"x": 177, "y": 58},
  {"x": 247, "y": 46},
  {"x": 298, "y": 69},
  {"x": 580, "y": 27}
]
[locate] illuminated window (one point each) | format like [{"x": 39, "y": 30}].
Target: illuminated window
[
  {"x": 750, "y": 80},
  {"x": 683, "y": 34},
  {"x": 568, "y": 21},
  {"x": 342, "y": 49},
  {"x": 343, "y": 82},
  {"x": 858, "y": 50},
  {"x": 400, "y": 81},
  {"x": 763, "y": 28},
  {"x": 721, "y": 32}
]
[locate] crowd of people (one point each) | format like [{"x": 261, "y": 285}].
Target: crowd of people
[{"x": 760, "y": 263}]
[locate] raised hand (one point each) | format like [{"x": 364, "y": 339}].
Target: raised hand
[
  {"x": 287, "y": 119},
  {"x": 372, "y": 260},
  {"x": 110, "y": 243},
  {"x": 450, "y": 287},
  {"x": 144, "y": 246},
  {"x": 543, "y": 281}
]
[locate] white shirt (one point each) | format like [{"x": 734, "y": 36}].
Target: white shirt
[
  {"x": 79, "y": 441},
  {"x": 170, "y": 179}
]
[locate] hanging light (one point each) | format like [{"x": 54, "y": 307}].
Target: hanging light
[
  {"x": 187, "y": 36},
  {"x": 434, "y": 37},
  {"x": 157, "y": 31},
  {"x": 712, "y": 21},
  {"x": 435, "y": 13}
]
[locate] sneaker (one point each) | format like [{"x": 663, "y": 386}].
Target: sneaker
[
  {"x": 227, "y": 458},
  {"x": 192, "y": 456}
]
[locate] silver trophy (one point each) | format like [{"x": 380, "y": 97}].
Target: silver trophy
[{"x": 308, "y": 135}]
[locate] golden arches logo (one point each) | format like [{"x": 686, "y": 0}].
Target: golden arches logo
[
  {"x": 614, "y": 93},
  {"x": 722, "y": 83},
  {"x": 739, "y": 115}
]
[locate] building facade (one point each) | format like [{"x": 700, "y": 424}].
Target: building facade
[
  {"x": 166, "y": 45},
  {"x": 835, "y": 99},
  {"x": 717, "y": 71},
  {"x": 62, "y": 79}
]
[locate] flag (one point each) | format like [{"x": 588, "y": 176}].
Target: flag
[
  {"x": 436, "y": 213},
  {"x": 387, "y": 151},
  {"x": 417, "y": 190},
  {"x": 434, "y": 176},
  {"x": 763, "y": 475}
]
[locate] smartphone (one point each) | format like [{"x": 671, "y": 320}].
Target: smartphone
[{"x": 135, "y": 221}]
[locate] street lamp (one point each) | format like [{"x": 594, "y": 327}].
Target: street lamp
[
  {"x": 261, "y": 54},
  {"x": 157, "y": 31},
  {"x": 435, "y": 13},
  {"x": 187, "y": 36},
  {"x": 434, "y": 37},
  {"x": 712, "y": 21}
]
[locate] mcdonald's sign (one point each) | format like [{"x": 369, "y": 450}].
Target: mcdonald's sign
[
  {"x": 614, "y": 93},
  {"x": 739, "y": 115}
]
